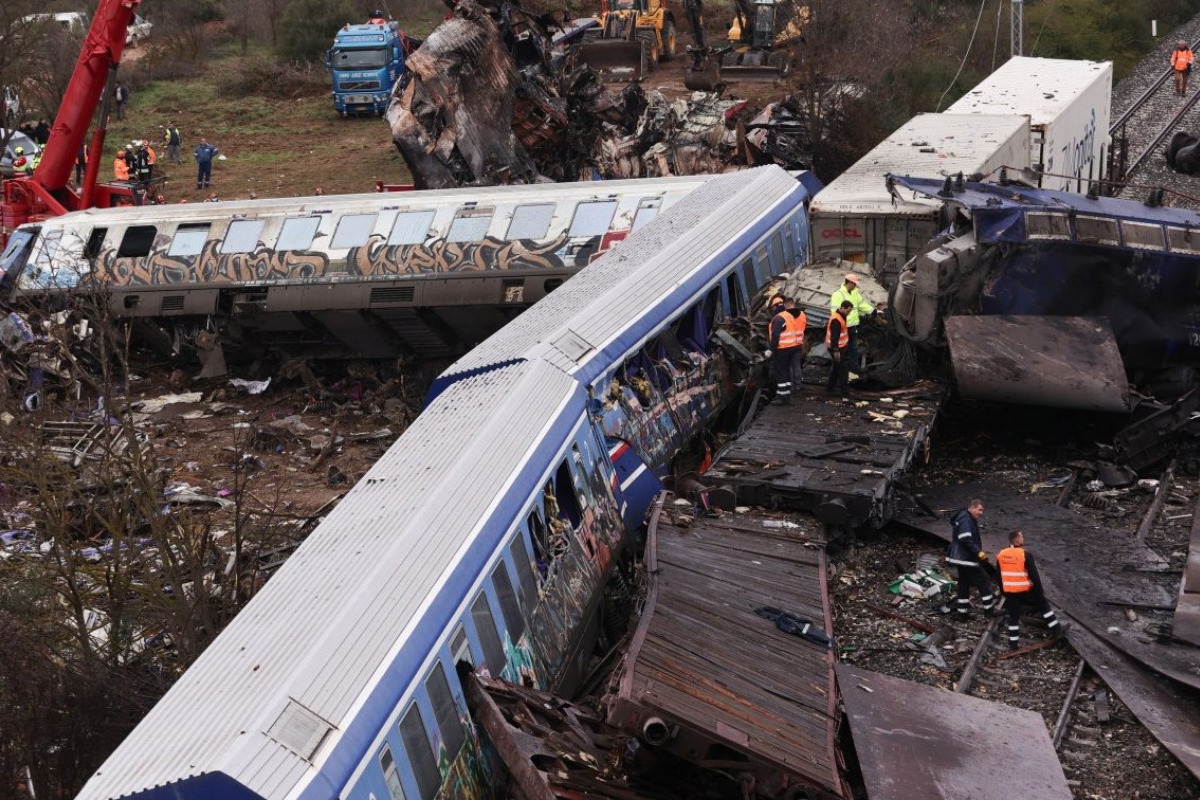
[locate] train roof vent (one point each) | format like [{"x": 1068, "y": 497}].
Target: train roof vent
[
  {"x": 173, "y": 303},
  {"x": 572, "y": 345},
  {"x": 393, "y": 294},
  {"x": 299, "y": 730}
]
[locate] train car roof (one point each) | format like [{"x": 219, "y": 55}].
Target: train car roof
[
  {"x": 928, "y": 144},
  {"x": 479, "y": 195},
  {"x": 324, "y": 651},
  {"x": 608, "y": 308},
  {"x": 1043, "y": 88}
]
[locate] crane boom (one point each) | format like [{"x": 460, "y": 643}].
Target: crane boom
[{"x": 47, "y": 192}]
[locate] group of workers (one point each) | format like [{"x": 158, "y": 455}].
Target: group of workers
[
  {"x": 1020, "y": 584},
  {"x": 785, "y": 334}
]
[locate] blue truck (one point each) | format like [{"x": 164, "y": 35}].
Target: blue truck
[{"x": 365, "y": 62}]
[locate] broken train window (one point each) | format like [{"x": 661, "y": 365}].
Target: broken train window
[
  {"x": 695, "y": 326},
  {"x": 137, "y": 241},
  {"x": 569, "y": 508},
  {"x": 539, "y": 534}
]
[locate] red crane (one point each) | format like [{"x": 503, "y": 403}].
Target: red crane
[{"x": 47, "y": 192}]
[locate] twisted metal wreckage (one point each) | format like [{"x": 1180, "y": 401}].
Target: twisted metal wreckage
[{"x": 489, "y": 98}]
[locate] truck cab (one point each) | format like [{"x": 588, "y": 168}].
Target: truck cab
[{"x": 365, "y": 62}]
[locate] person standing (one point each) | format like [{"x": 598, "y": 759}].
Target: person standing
[
  {"x": 785, "y": 335},
  {"x": 837, "y": 342},
  {"x": 1022, "y": 587},
  {"x": 1181, "y": 62},
  {"x": 172, "y": 140},
  {"x": 205, "y": 153},
  {"x": 142, "y": 168},
  {"x": 120, "y": 97},
  {"x": 859, "y": 306},
  {"x": 120, "y": 166},
  {"x": 966, "y": 553},
  {"x": 81, "y": 159}
]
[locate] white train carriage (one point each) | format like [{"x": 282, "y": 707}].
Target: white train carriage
[
  {"x": 483, "y": 538},
  {"x": 425, "y": 274}
]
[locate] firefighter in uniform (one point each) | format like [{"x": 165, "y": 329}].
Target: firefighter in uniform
[
  {"x": 1022, "y": 589},
  {"x": 859, "y": 307},
  {"x": 966, "y": 554},
  {"x": 785, "y": 333},
  {"x": 837, "y": 342}
]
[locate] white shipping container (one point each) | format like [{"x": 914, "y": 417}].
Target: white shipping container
[
  {"x": 1069, "y": 104},
  {"x": 856, "y": 219}
]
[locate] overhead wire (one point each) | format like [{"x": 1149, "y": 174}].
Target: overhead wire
[
  {"x": 996, "y": 39},
  {"x": 966, "y": 55},
  {"x": 1045, "y": 21}
]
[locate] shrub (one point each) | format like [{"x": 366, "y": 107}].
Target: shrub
[{"x": 308, "y": 27}]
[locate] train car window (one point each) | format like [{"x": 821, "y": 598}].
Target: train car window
[
  {"x": 748, "y": 276},
  {"x": 513, "y": 621},
  {"x": 541, "y": 542},
  {"x": 420, "y": 753},
  {"x": 242, "y": 236},
  {"x": 460, "y": 647},
  {"x": 733, "y": 294},
  {"x": 445, "y": 712},
  {"x": 647, "y": 212},
  {"x": 789, "y": 249},
  {"x": 353, "y": 230},
  {"x": 778, "y": 264},
  {"x": 137, "y": 241},
  {"x": 525, "y": 577},
  {"x": 391, "y": 775},
  {"x": 411, "y": 227},
  {"x": 469, "y": 228},
  {"x": 691, "y": 332},
  {"x": 592, "y": 219},
  {"x": 530, "y": 222},
  {"x": 564, "y": 493},
  {"x": 485, "y": 626},
  {"x": 95, "y": 241},
  {"x": 20, "y": 244},
  {"x": 189, "y": 240},
  {"x": 1140, "y": 235},
  {"x": 762, "y": 266},
  {"x": 298, "y": 233}
]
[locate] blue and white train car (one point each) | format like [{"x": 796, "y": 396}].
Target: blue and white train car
[{"x": 483, "y": 538}]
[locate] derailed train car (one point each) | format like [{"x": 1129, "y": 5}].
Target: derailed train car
[
  {"x": 484, "y": 538},
  {"x": 418, "y": 274}
]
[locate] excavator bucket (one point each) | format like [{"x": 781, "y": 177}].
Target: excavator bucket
[
  {"x": 617, "y": 59},
  {"x": 702, "y": 77}
]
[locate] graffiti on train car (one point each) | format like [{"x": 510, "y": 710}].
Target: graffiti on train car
[
  {"x": 210, "y": 266},
  {"x": 377, "y": 257},
  {"x": 465, "y": 777}
]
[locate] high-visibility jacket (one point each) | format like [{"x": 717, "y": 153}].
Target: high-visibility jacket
[
  {"x": 861, "y": 306},
  {"x": 1181, "y": 59},
  {"x": 153, "y": 155},
  {"x": 843, "y": 336},
  {"x": 1013, "y": 577},
  {"x": 792, "y": 332},
  {"x": 120, "y": 168}
]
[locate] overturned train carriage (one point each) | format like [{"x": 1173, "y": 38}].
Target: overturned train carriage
[
  {"x": 416, "y": 274},
  {"x": 484, "y": 538},
  {"x": 1054, "y": 298}
]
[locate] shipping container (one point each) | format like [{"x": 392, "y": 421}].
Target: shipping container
[
  {"x": 855, "y": 217},
  {"x": 1069, "y": 104}
]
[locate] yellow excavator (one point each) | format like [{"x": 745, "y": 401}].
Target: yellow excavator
[
  {"x": 759, "y": 35},
  {"x": 633, "y": 36}
]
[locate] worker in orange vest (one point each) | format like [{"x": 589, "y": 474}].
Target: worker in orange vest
[
  {"x": 837, "y": 342},
  {"x": 120, "y": 166},
  {"x": 785, "y": 334},
  {"x": 1181, "y": 62},
  {"x": 1022, "y": 589}
]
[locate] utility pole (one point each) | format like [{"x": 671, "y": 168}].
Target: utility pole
[{"x": 1017, "y": 32}]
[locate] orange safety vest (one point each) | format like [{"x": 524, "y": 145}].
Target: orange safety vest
[
  {"x": 1013, "y": 577},
  {"x": 843, "y": 338},
  {"x": 120, "y": 169},
  {"x": 1181, "y": 59},
  {"x": 152, "y": 154},
  {"x": 792, "y": 334}
]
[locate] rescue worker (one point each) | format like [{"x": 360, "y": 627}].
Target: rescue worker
[
  {"x": 33, "y": 163},
  {"x": 1181, "y": 62},
  {"x": 20, "y": 162},
  {"x": 785, "y": 334},
  {"x": 142, "y": 166},
  {"x": 965, "y": 552},
  {"x": 859, "y": 307},
  {"x": 837, "y": 341},
  {"x": 120, "y": 166},
  {"x": 81, "y": 159},
  {"x": 377, "y": 18},
  {"x": 172, "y": 140},
  {"x": 1022, "y": 589}
]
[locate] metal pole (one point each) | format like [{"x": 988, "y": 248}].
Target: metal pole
[{"x": 1017, "y": 32}]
